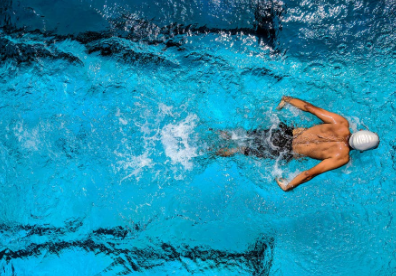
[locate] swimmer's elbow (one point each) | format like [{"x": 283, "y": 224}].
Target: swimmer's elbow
[
  {"x": 346, "y": 159},
  {"x": 308, "y": 107},
  {"x": 308, "y": 175},
  {"x": 341, "y": 161}
]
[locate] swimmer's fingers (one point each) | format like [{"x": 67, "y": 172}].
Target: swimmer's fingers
[
  {"x": 282, "y": 182},
  {"x": 281, "y": 104}
]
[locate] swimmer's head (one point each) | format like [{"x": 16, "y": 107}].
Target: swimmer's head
[{"x": 364, "y": 140}]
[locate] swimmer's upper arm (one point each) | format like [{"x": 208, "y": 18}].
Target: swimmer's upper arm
[
  {"x": 327, "y": 165},
  {"x": 326, "y": 116},
  {"x": 324, "y": 166}
]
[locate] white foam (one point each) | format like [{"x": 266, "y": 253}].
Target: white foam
[
  {"x": 355, "y": 122},
  {"x": 346, "y": 169},
  {"x": 276, "y": 170},
  {"x": 237, "y": 134},
  {"x": 274, "y": 119},
  {"x": 178, "y": 145},
  {"x": 164, "y": 109},
  {"x": 294, "y": 110},
  {"x": 136, "y": 163},
  {"x": 121, "y": 120},
  {"x": 292, "y": 175}
]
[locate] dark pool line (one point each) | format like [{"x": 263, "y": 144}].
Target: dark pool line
[
  {"x": 267, "y": 23},
  {"x": 257, "y": 259},
  {"x": 25, "y": 53}
]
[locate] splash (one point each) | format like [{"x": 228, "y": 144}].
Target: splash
[
  {"x": 179, "y": 146},
  {"x": 134, "y": 163}
]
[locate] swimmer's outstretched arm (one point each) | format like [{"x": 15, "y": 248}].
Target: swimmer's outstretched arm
[
  {"x": 300, "y": 104},
  {"x": 326, "y": 116},
  {"x": 324, "y": 166}
]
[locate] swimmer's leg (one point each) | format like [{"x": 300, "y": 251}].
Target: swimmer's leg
[
  {"x": 226, "y": 152},
  {"x": 224, "y": 134}
]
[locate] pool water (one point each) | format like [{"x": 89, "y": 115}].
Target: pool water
[{"x": 109, "y": 118}]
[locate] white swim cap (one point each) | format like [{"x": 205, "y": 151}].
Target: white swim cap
[{"x": 363, "y": 140}]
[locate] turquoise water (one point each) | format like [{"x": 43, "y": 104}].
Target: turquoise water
[{"x": 104, "y": 135}]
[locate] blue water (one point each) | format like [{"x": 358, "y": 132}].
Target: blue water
[{"x": 105, "y": 113}]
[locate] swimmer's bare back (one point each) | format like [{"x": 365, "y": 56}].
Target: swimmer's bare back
[{"x": 327, "y": 142}]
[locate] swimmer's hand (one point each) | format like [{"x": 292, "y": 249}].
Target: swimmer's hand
[
  {"x": 282, "y": 102},
  {"x": 282, "y": 182}
]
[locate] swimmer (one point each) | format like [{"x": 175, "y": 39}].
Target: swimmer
[{"x": 331, "y": 142}]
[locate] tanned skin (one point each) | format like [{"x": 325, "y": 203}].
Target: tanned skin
[{"x": 327, "y": 142}]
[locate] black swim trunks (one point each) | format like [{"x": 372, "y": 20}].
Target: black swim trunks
[{"x": 271, "y": 143}]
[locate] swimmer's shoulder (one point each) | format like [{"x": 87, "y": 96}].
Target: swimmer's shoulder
[{"x": 342, "y": 152}]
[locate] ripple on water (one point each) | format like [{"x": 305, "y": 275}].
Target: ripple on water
[
  {"x": 384, "y": 44},
  {"x": 315, "y": 73},
  {"x": 338, "y": 68},
  {"x": 342, "y": 49}
]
